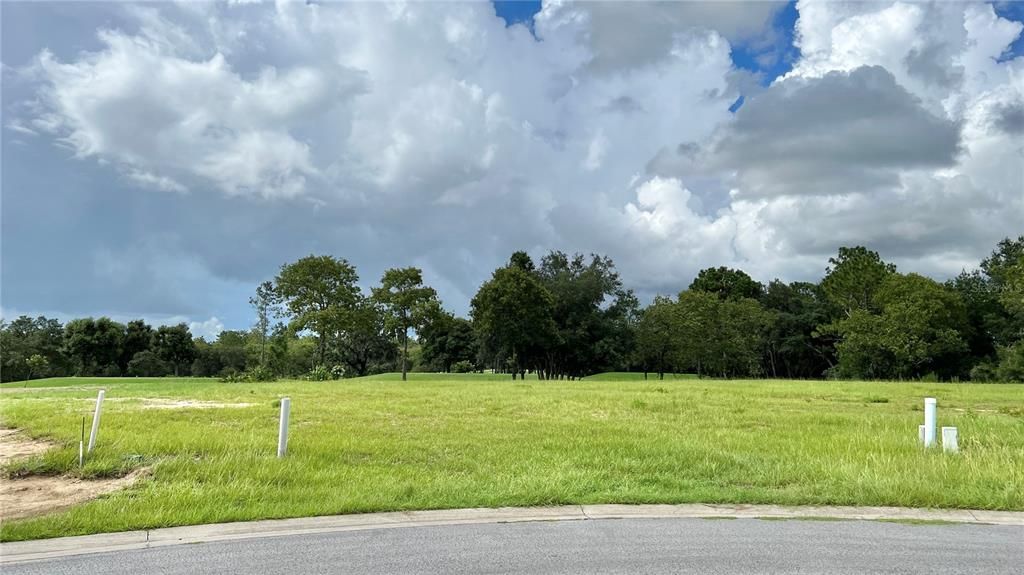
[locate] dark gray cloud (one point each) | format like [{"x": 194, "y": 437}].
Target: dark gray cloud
[
  {"x": 841, "y": 133},
  {"x": 1010, "y": 118},
  {"x": 626, "y": 35},
  {"x": 934, "y": 64}
]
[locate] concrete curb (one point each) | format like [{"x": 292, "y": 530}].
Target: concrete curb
[{"x": 21, "y": 551}]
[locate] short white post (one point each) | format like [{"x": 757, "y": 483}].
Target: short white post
[
  {"x": 96, "y": 421},
  {"x": 929, "y": 421},
  {"x": 949, "y": 443},
  {"x": 920, "y": 433},
  {"x": 282, "y": 433},
  {"x": 81, "y": 446}
]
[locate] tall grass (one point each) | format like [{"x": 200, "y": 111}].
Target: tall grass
[{"x": 450, "y": 441}]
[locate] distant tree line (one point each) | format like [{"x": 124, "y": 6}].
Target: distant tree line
[{"x": 569, "y": 316}]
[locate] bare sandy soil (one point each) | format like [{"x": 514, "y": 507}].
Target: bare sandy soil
[
  {"x": 36, "y": 495},
  {"x": 16, "y": 446}
]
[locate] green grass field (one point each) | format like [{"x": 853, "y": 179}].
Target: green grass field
[{"x": 376, "y": 444}]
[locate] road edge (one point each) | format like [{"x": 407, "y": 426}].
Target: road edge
[{"x": 40, "y": 549}]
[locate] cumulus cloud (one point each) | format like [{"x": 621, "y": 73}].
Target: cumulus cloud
[
  {"x": 434, "y": 135},
  {"x": 208, "y": 329},
  {"x": 140, "y": 104}
]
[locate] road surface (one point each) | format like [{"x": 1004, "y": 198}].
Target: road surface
[{"x": 594, "y": 546}]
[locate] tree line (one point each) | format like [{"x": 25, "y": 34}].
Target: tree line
[{"x": 569, "y": 316}]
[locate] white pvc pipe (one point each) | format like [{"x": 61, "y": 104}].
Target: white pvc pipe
[
  {"x": 929, "y": 421},
  {"x": 949, "y": 442},
  {"x": 96, "y": 421},
  {"x": 282, "y": 432}
]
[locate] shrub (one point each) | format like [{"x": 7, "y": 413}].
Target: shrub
[
  {"x": 983, "y": 372},
  {"x": 259, "y": 373},
  {"x": 253, "y": 374},
  {"x": 338, "y": 371},
  {"x": 147, "y": 364},
  {"x": 463, "y": 366},
  {"x": 319, "y": 373},
  {"x": 231, "y": 376},
  {"x": 110, "y": 371},
  {"x": 1011, "y": 363}
]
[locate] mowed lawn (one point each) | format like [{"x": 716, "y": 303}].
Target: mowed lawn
[{"x": 450, "y": 441}]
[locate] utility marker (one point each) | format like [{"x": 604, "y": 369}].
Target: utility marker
[
  {"x": 949, "y": 443},
  {"x": 96, "y": 421},
  {"x": 282, "y": 433},
  {"x": 81, "y": 446},
  {"x": 929, "y": 421}
]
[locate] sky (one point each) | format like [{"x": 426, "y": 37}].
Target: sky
[{"x": 159, "y": 160}]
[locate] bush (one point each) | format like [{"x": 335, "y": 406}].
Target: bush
[
  {"x": 110, "y": 371},
  {"x": 984, "y": 372},
  {"x": 462, "y": 367},
  {"x": 252, "y": 375},
  {"x": 320, "y": 373},
  {"x": 230, "y": 376},
  {"x": 338, "y": 371},
  {"x": 147, "y": 364},
  {"x": 259, "y": 373},
  {"x": 1011, "y": 363}
]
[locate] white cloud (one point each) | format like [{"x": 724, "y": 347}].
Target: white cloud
[
  {"x": 431, "y": 133},
  {"x": 208, "y": 330}
]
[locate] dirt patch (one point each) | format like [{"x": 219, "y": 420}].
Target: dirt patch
[
  {"x": 36, "y": 495},
  {"x": 13, "y": 446},
  {"x": 185, "y": 404}
]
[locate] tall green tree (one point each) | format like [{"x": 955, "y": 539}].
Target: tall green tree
[
  {"x": 138, "y": 336},
  {"x": 512, "y": 315},
  {"x": 727, "y": 283},
  {"x": 173, "y": 344},
  {"x": 366, "y": 346},
  {"x": 795, "y": 347},
  {"x": 724, "y": 338},
  {"x": 657, "y": 336},
  {"x": 94, "y": 345},
  {"x": 917, "y": 331},
  {"x": 264, "y": 303},
  {"x": 593, "y": 315},
  {"x": 25, "y": 337},
  {"x": 853, "y": 278},
  {"x": 407, "y": 304},
  {"x": 447, "y": 340},
  {"x": 320, "y": 294}
]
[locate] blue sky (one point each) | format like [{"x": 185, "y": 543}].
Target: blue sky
[{"x": 159, "y": 160}]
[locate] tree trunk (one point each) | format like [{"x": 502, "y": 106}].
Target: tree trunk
[{"x": 405, "y": 351}]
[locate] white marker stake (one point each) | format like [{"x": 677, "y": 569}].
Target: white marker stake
[
  {"x": 949, "y": 443},
  {"x": 282, "y": 433},
  {"x": 81, "y": 446},
  {"x": 96, "y": 421},
  {"x": 929, "y": 421},
  {"x": 920, "y": 433}
]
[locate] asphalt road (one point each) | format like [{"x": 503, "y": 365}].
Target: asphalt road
[{"x": 595, "y": 546}]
